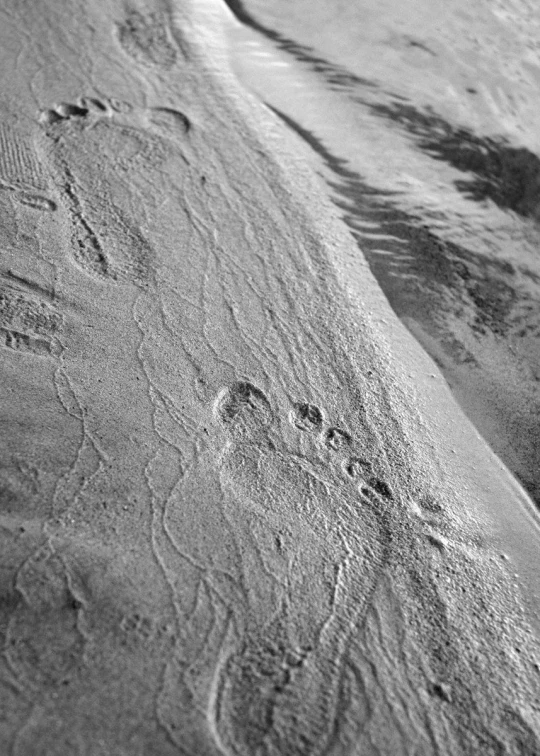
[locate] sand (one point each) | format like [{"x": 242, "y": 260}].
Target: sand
[
  {"x": 424, "y": 121},
  {"x": 241, "y": 512}
]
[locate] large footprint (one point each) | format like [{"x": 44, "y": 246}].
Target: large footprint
[{"x": 332, "y": 543}]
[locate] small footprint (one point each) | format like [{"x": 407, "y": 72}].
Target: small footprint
[
  {"x": 243, "y": 409},
  {"x": 337, "y": 439},
  {"x": 306, "y": 417},
  {"x": 330, "y": 565}
]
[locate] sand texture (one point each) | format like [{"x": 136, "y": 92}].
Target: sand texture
[
  {"x": 240, "y": 512},
  {"x": 424, "y": 119}
]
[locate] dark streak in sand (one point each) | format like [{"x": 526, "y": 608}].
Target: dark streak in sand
[{"x": 507, "y": 175}]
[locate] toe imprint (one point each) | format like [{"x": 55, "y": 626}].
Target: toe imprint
[{"x": 306, "y": 417}]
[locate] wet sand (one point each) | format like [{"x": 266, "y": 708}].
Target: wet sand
[{"x": 241, "y": 512}]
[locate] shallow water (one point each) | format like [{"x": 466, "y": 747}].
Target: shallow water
[{"x": 436, "y": 175}]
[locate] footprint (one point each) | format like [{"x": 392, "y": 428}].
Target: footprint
[
  {"x": 92, "y": 163},
  {"x": 331, "y": 559},
  {"x": 146, "y": 39},
  {"x": 337, "y": 439},
  {"x": 243, "y": 410},
  {"x": 306, "y": 417}
]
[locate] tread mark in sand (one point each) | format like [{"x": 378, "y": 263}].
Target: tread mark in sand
[{"x": 21, "y": 172}]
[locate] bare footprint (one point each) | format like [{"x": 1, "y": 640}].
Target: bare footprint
[
  {"x": 331, "y": 555},
  {"x": 90, "y": 162}
]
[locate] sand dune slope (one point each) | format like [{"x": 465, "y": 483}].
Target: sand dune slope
[{"x": 240, "y": 513}]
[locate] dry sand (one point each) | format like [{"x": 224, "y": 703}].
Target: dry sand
[{"x": 241, "y": 512}]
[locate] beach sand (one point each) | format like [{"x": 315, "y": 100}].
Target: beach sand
[
  {"x": 241, "y": 511},
  {"x": 424, "y": 120}
]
